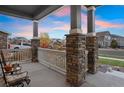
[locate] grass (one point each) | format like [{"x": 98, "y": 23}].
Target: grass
[{"x": 111, "y": 62}]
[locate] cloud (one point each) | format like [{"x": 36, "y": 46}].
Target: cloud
[
  {"x": 64, "y": 27},
  {"x": 84, "y": 23},
  {"x": 44, "y": 30},
  {"x": 83, "y": 18},
  {"x": 105, "y": 24},
  {"x": 27, "y": 30},
  {"x": 58, "y": 22},
  {"x": 62, "y": 12},
  {"x": 24, "y": 31}
]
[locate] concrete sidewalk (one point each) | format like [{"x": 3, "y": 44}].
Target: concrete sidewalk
[{"x": 111, "y": 58}]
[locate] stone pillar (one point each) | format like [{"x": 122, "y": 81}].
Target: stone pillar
[
  {"x": 91, "y": 41},
  {"x": 75, "y": 50},
  {"x": 92, "y": 47},
  {"x": 35, "y": 42}
]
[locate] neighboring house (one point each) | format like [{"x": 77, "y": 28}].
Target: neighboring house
[
  {"x": 119, "y": 39},
  {"x": 104, "y": 39},
  {"x": 19, "y": 40},
  {"x": 3, "y": 40},
  {"x": 57, "y": 43}
]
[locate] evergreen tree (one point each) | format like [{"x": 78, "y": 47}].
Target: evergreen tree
[{"x": 114, "y": 44}]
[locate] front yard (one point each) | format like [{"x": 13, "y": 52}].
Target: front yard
[{"x": 111, "y": 62}]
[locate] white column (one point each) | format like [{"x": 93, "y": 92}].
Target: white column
[{"x": 75, "y": 19}]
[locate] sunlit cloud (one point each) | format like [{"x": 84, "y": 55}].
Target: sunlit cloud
[
  {"x": 63, "y": 12},
  {"x": 64, "y": 27},
  {"x": 27, "y": 30},
  {"x": 24, "y": 31},
  {"x": 105, "y": 24}
]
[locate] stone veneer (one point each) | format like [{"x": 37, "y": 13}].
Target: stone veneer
[
  {"x": 3, "y": 40},
  {"x": 35, "y": 44},
  {"x": 75, "y": 59},
  {"x": 92, "y": 47}
]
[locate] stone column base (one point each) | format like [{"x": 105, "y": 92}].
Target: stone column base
[
  {"x": 75, "y": 59},
  {"x": 35, "y": 44},
  {"x": 92, "y": 47}
]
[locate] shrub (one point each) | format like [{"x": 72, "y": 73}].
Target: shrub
[{"x": 114, "y": 44}]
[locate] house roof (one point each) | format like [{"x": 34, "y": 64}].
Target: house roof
[
  {"x": 5, "y": 32},
  {"x": 103, "y": 33},
  {"x": 108, "y": 33},
  {"x": 116, "y": 36},
  {"x": 20, "y": 38}
]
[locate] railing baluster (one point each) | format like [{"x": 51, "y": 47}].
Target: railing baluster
[
  {"x": 53, "y": 57},
  {"x": 11, "y": 55}
]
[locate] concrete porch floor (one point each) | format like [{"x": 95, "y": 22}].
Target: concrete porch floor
[{"x": 42, "y": 76}]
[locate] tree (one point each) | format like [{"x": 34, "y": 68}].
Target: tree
[
  {"x": 44, "y": 40},
  {"x": 114, "y": 44}
]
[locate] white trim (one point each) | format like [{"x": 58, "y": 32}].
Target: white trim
[
  {"x": 72, "y": 31},
  {"x": 36, "y": 38},
  {"x": 35, "y": 21},
  {"x": 91, "y": 34}
]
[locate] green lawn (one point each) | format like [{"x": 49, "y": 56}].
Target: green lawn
[{"x": 112, "y": 62}]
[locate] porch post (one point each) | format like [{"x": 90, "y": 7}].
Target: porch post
[
  {"x": 91, "y": 41},
  {"x": 75, "y": 49},
  {"x": 35, "y": 42}
]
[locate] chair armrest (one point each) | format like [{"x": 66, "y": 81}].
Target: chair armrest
[{"x": 22, "y": 73}]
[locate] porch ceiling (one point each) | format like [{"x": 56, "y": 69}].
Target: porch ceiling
[{"x": 31, "y": 12}]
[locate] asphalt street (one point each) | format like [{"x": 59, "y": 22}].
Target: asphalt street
[{"x": 114, "y": 53}]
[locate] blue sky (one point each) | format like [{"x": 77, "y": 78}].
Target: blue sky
[{"x": 108, "y": 18}]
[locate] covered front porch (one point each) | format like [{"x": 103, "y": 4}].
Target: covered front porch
[
  {"x": 52, "y": 72},
  {"x": 53, "y": 68}
]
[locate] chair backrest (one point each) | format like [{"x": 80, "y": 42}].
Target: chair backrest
[
  {"x": 2, "y": 67},
  {"x": 2, "y": 56}
]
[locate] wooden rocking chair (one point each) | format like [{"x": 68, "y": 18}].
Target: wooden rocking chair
[
  {"x": 16, "y": 79},
  {"x": 15, "y": 67}
]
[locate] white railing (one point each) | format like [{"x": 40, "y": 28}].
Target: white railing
[
  {"x": 12, "y": 55},
  {"x": 53, "y": 59}
]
